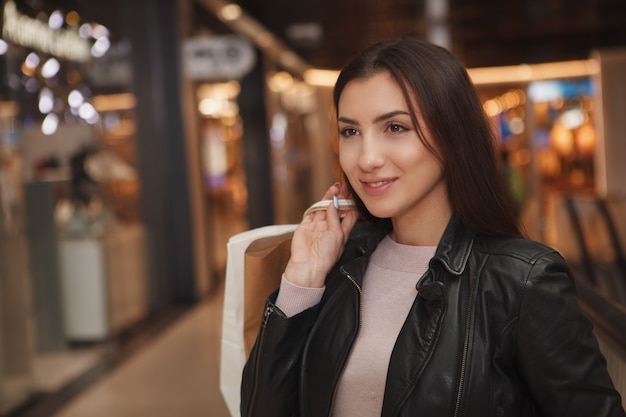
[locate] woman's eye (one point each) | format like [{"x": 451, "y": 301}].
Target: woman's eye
[
  {"x": 349, "y": 131},
  {"x": 395, "y": 127}
]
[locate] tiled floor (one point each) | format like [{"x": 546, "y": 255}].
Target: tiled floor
[{"x": 176, "y": 375}]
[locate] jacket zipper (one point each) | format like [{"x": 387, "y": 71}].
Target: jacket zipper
[
  {"x": 353, "y": 281},
  {"x": 459, "y": 394},
  {"x": 268, "y": 312}
]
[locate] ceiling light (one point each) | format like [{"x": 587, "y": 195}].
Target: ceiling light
[
  {"x": 72, "y": 18},
  {"x": 230, "y": 12},
  {"x": 280, "y": 81},
  {"x": 55, "y": 21},
  {"x": 32, "y": 60},
  {"x": 85, "y": 30},
  {"x": 50, "y": 68},
  {"x": 50, "y": 124},
  {"x": 533, "y": 72},
  {"x": 111, "y": 102},
  {"x": 99, "y": 31},
  {"x": 320, "y": 78},
  {"x": 46, "y": 101},
  {"x": 100, "y": 47},
  {"x": 86, "y": 111},
  {"x": 75, "y": 98}
]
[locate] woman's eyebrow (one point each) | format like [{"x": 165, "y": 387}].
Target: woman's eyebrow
[
  {"x": 391, "y": 115},
  {"x": 347, "y": 121},
  {"x": 378, "y": 119}
]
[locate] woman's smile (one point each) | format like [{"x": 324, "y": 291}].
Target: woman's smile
[{"x": 376, "y": 187}]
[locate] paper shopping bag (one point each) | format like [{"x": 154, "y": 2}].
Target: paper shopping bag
[
  {"x": 264, "y": 263},
  {"x": 250, "y": 278}
]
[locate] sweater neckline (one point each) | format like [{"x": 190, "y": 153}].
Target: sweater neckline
[{"x": 390, "y": 254}]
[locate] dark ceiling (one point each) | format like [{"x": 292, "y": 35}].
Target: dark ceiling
[
  {"x": 483, "y": 32},
  {"x": 325, "y": 33}
]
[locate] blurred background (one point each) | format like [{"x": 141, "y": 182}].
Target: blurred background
[{"x": 137, "y": 136}]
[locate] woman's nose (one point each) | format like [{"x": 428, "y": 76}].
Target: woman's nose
[{"x": 371, "y": 156}]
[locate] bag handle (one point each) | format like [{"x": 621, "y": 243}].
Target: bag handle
[{"x": 344, "y": 205}]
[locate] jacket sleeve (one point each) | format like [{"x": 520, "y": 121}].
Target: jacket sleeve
[
  {"x": 558, "y": 354},
  {"x": 270, "y": 381}
]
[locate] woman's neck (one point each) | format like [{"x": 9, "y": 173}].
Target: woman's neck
[{"x": 424, "y": 230}]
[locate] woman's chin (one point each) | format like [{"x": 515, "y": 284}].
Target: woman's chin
[{"x": 379, "y": 212}]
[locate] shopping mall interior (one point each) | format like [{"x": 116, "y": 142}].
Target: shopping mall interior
[{"x": 138, "y": 137}]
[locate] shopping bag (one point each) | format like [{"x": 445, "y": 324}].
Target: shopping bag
[
  {"x": 255, "y": 262},
  {"x": 264, "y": 263}
]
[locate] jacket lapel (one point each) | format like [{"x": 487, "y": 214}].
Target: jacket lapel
[
  {"x": 420, "y": 333},
  {"x": 414, "y": 346}
]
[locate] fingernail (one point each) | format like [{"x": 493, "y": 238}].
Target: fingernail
[
  {"x": 336, "y": 184},
  {"x": 336, "y": 202}
]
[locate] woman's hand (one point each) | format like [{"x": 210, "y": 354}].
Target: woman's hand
[{"x": 318, "y": 242}]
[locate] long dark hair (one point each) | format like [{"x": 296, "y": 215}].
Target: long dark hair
[{"x": 431, "y": 76}]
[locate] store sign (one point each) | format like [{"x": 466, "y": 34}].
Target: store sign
[
  {"x": 32, "y": 33},
  {"x": 217, "y": 58}
]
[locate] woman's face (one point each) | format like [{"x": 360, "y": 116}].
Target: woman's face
[{"x": 380, "y": 152}]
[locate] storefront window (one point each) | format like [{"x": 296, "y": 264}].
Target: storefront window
[
  {"x": 221, "y": 157},
  {"x": 565, "y": 134},
  {"x": 71, "y": 240},
  {"x": 303, "y": 149}
]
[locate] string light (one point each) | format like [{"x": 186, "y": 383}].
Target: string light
[
  {"x": 58, "y": 36},
  {"x": 50, "y": 68},
  {"x": 55, "y": 21}
]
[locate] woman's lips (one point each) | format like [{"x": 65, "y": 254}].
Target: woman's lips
[{"x": 376, "y": 187}]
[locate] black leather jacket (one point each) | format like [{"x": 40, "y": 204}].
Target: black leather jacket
[{"x": 495, "y": 330}]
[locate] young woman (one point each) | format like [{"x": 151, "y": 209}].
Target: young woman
[{"x": 427, "y": 300}]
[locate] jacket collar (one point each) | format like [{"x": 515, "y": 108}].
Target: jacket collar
[
  {"x": 452, "y": 252},
  {"x": 455, "y": 246}
]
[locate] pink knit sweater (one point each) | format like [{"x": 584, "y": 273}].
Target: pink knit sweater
[{"x": 388, "y": 293}]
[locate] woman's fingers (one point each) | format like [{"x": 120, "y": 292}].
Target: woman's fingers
[
  {"x": 335, "y": 204},
  {"x": 319, "y": 240},
  {"x": 348, "y": 222}
]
